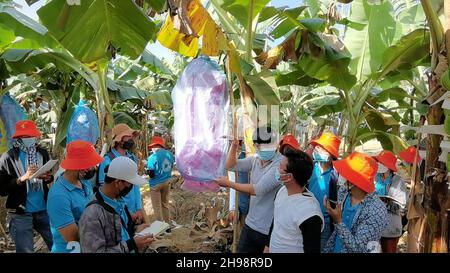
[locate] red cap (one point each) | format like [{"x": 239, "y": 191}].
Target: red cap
[
  {"x": 359, "y": 169},
  {"x": 290, "y": 140},
  {"x": 388, "y": 159},
  {"x": 156, "y": 140},
  {"x": 81, "y": 155},
  {"x": 408, "y": 155},
  {"x": 26, "y": 128}
]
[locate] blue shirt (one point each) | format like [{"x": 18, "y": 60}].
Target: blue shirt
[
  {"x": 119, "y": 206},
  {"x": 65, "y": 206},
  {"x": 35, "y": 191},
  {"x": 133, "y": 198},
  {"x": 162, "y": 163},
  {"x": 382, "y": 186},
  {"x": 319, "y": 185},
  {"x": 348, "y": 214},
  {"x": 244, "y": 199}
]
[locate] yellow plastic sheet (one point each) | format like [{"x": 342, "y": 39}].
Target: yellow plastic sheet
[{"x": 213, "y": 38}]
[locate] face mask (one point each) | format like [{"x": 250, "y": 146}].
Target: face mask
[
  {"x": 125, "y": 191},
  {"x": 29, "y": 141},
  {"x": 266, "y": 155},
  {"x": 154, "y": 150},
  {"x": 319, "y": 157},
  {"x": 87, "y": 175},
  {"x": 278, "y": 176},
  {"x": 381, "y": 168},
  {"x": 128, "y": 145}
]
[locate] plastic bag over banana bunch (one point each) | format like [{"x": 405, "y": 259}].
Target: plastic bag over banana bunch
[
  {"x": 10, "y": 113},
  {"x": 201, "y": 111},
  {"x": 83, "y": 124}
]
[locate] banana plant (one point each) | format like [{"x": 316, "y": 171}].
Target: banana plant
[
  {"x": 19, "y": 31},
  {"x": 431, "y": 213},
  {"x": 356, "y": 67},
  {"x": 94, "y": 31}
]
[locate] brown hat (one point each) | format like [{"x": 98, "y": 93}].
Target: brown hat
[{"x": 121, "y": 130}]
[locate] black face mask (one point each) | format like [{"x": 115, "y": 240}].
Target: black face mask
[
  {"x": 128, "y": 145},
  {"x": 125, "y": 191},
  {"x": 88, "y": 175}
]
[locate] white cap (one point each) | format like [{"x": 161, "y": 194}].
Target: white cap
[{"x": 123, "y": 168}]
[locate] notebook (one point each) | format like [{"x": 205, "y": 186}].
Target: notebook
[
  {"x": 389, "y": 198},
  {"x": 156, "y": 228},
  {"x": 44, "y": 169}
]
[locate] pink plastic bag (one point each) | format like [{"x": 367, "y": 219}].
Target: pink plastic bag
[{"x": 201, "y": 109}]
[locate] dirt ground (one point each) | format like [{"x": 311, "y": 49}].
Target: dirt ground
[{"x": 200, "y": 221}]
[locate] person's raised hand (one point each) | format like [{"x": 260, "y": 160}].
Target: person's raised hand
[
  {"x": 30, "y": 171},
  {"x": 223, "y": 181},
  {"x": 138, "y": 217}
]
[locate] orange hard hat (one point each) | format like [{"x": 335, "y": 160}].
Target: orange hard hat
[
  {"x": 388, "y": 159},
  {"x": 359, "y": 169},
  {"x": 408, "y": 155},
  {"x": 156, "y": 140},
  {"x": 81, "y": 155},
  {"x": 26, "y": 128},
  {"x": 290, "y": 140},
  {"x": 329, "y": 142}
]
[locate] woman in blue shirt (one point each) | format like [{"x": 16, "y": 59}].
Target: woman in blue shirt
[
  {"x": 392, "y": 190},
  {"x": 123, "y": 144},
  {"x": 360, "y": 216}
]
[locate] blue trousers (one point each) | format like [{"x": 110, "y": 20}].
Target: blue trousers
[{"x": 21, "y": 229}]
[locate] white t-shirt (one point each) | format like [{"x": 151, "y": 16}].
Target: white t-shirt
[{"x": 290, "y": 212}]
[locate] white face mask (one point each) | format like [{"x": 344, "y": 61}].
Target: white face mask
[
  {"x": 382, "y": 168},
  {"x": 154, "y": 150},
  {"x": 29, "y": 141}
]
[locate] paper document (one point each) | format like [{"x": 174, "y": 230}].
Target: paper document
[
  {"x": 46, "y": 168},
  {"x": 156, "y": 228},
  {"x": 389, "y": 198}
]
